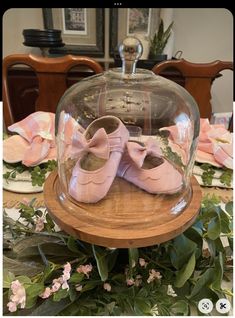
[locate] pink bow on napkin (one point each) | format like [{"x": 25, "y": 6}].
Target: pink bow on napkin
[
  {"x": 37, "y": 131},
  {"x": 98, "y": 144},
  {"x": 138, "y": 152}
]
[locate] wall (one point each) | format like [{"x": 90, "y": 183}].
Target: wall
[
  {"x": 203, "y": 35},
  {"x": 206, "y": 35}
]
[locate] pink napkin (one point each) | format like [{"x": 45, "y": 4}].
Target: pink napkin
[
  {"x": 217, "y": 141},
  {"x": 37, "y": 134},
  {"x": 215, "y": 144}
]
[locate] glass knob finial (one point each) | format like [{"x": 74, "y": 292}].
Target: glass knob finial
[{"x": 130, "y": 51}]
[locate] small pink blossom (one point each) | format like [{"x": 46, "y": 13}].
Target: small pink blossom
[
  {"x": 78, "y": 287},
  {"x": 66, "y": 272},
  {"x": 47, "y": 293},
  {"x": 142, "y": 262},
  {"x": 18, "y": 296},
  {"x": 153, "y": 275},
  {"x": 55, "y": 287},
  {"x": 11, "y": 306},
  {"x": 39, "y": 224},
  {"x": 130, "y": 281},
  {"x": 107, "y": 287},
  {"x": 85, "y": 269}
]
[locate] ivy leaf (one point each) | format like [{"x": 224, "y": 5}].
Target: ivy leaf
[
  {"x": 185, "y": 272},
  {"x": 101, "y": 262},
  {"x": 32, "y": 293},
  {"x": 8, "y": 277},
  {"x": 214, "y": 228}
]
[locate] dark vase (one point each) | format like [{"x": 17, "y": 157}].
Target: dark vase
[{"x": 157, "y": 57}]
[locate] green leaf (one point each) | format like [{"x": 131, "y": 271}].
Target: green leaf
[
  {"x": 141, "y": 306},
  {"x": 185, "y": 272},
  {"x": 32, "y": 293},
  {"x": 219, "y": 271},
  {"x": 181, "y": 250},
  {"x": 8, "y": 278},
  {"x": 214, "y": 228},
  {"x": 112, "y": 258},
  {"x": 19, "y": 268},
  {"x": 60, "y": 294},
  {"x": 204, "y": 280},
  {"x": 76, "y": 278},
  {"x": 101, "y": 262},
  {"x": 180, "y": 307}
]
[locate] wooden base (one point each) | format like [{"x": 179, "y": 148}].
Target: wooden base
[{"x": 127, "y": 217}]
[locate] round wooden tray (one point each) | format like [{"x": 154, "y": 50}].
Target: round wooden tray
[{"x": 133, "y": 219}]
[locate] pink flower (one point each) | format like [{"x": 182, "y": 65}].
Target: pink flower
[
  {"x": 18, "y": 296},
  {"x": 130, "y": 281},
  {"x": 47, "y": 293},
  {"x": 153, "y": 275},
  {"x": 107, "y": 287},
  {"x": 39, "y": 224},
  {"x": 65, "y": 285},
  {"x": 85, "y": 269},
  {"x": 66, "y": 272},
  {"x": 55, "y": 287},
  {"x": 142, "y": 262},
  {"x": 12, "y": 306}
]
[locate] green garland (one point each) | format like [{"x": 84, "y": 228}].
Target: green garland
[
  {"x": 38, "y": 173},
  {"x": 165, "y": 279}
]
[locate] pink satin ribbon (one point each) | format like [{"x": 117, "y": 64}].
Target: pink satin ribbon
[
  {"x": 98, "y": 144},
  {"x": 138, "y": 152}
]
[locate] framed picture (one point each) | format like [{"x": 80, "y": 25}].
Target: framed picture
[
  {"x": 131, "y": 21},
  {"x": 82, "y": 30}
]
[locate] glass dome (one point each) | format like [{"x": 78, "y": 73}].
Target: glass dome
[{"x": 123, "y": 131}]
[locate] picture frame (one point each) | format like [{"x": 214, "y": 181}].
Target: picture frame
[
  {"x": 77, "y": 34},
  {"x": 119, "y": 26}
]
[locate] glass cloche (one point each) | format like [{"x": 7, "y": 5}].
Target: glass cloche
[{"x": 127, "y": 132}]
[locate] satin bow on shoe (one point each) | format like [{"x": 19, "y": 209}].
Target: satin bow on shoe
[
  {"x": 37, "y": 131},
  {"x": 98, "y": 145},
  {"x": 138, "y": 153}
]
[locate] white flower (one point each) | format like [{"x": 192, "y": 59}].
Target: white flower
[
  {"x": 153, "y": 275},
  {"x": 78, "y": 287},
  {"x": 107, "y": 287},
  {"x": 142, "y": 262},
  {"x": 154, "y": 310},
  {"x": 170, "y": 291}
]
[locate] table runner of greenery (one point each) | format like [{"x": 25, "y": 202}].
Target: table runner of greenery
[{"x": 49, "y": 273}]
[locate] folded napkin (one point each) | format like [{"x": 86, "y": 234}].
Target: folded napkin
[
  {"x": 35, "y": 142},
  {"x": 215, "y": 144},
  {"x": 216, "y": 141}
]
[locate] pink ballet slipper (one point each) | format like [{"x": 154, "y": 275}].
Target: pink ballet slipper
[
  {"x": 98, "y": 150},
  {"x": 144, "y": 166}
]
